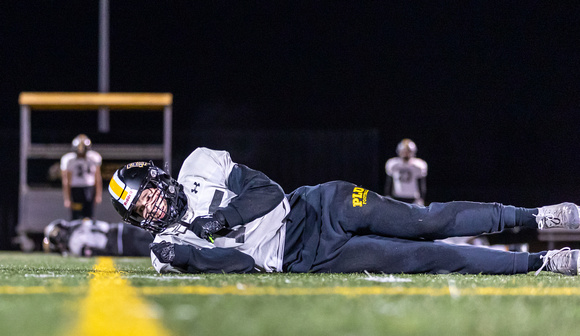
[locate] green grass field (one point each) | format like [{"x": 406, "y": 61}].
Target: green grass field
[{"x": 43, "y": 294}]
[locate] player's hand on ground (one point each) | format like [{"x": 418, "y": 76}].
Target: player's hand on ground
[
  {"x": 205, "y": 226},
  {"x": 164, "y": 251}
]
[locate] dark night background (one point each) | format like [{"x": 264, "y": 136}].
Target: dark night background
[{"x": 314, "y": 91}]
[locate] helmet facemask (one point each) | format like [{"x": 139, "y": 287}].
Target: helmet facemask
[{"x": 166, "y": 200}]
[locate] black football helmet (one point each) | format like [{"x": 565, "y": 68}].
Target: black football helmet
[
  {"x": 56, "y": 236},
  {"x": 81, "y": 144},
  {"x": 126, "y": 187},
  {"x": 406, "y": 149}
]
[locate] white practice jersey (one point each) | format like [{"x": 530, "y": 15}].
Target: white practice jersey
[
  {"x": 82, "y": 170},
  {"x": 204, "y": 175},
  {"x": 405, "y": 176}
]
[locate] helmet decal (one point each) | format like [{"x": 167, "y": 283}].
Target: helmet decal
[
  {"x": 137, "y": 165},
  {"x": 120, "y": 191}
]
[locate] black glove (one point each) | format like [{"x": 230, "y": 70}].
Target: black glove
[
  {"x": 164, "y": 251},
  {"x": 205, "y": 226}
]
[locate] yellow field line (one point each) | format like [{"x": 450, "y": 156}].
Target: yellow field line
[
  {"x": 358, "y": 291},
  {"x": 41, "y": 290},
  {"x": 297, "y": 291},
  {"x": 113, "y": 307}
]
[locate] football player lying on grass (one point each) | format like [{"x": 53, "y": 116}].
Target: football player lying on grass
[
  {"x": 220, "y": 216},
  {"x": 89, "y": 237}
]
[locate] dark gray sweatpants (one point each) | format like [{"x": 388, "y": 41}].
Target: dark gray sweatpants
[{"x": 339, "y": 227}]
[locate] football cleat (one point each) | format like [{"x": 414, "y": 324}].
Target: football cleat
[
  {"x": 564, "y": 261},
  {"x": 563, "y": 215}
]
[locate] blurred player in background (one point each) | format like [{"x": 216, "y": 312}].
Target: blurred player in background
[
  {"x": 82, "y": 184},
  {"x": 406, "y": 175},
  {"x": 220, "y": 216},
  {"x": 87, "y": 238}
]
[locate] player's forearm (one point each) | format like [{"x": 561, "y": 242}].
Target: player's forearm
[
  {"x": 389, "y": 185},
  {"x": 66, "y": 194},
  {"x": 423, "y": 187},
  {"x": 257, "y": 195},
  {"x": 216, "y": 260},
  {"x": 98, "y": 184},
  {"x": 65, "y": 186}
]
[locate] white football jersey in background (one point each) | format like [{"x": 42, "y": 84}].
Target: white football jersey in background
[
  {"x": 82, "y": 169},
  {"x": 405, "y": 176}
]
